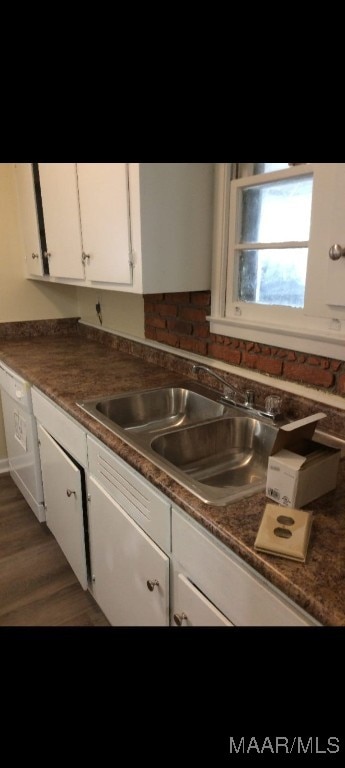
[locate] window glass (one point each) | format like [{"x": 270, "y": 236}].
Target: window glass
[{"x": 273, "y": 276}]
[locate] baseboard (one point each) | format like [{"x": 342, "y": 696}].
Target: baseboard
[{"x": 4, "y": 466}]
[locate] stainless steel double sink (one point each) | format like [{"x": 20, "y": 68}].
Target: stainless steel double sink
[{"x": 210, "y": 448}]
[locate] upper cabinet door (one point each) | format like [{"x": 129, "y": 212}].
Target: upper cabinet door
[
  {"x": 60, "y": 202},
  {"x": 104, "y": 211},
  {"x": 28, "y": 216}
]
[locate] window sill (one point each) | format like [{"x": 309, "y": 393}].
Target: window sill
[{"x": 318, "y": 341}]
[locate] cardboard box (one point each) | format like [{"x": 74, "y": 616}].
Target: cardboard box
[{"x": 300, "y": 469}]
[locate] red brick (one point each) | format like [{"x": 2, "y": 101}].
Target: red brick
[
  {"x": 201, "y": 298},
  {"x": 152, "y": 297},
  {"x": 266, "y": 350},
  {"x": 167, "y": 338},
  {"x": 193, "y": 345},
  {"x": 335, "y": 365},
  {"x": 190, "y": 313},
  {"x": 313, "y": 360},
  {"x": 290, "y": 356},
  {"x": 156, "y": 322},
  {"x": 149, "y": 307},
  {"x": 341, "y": 384},
  {"x": 179, "y": 326},
  {"x": 325, "y": 364},
  {"x": 284, "y": 353},
  {"x": 227, "y": 354},
  {"x": 234, "y": 343},
  {"x": 270, "y": 365},
  {"x": 308, "y": 375},
  {"x": 201, "y": 330},
  {"x": 177, "y": 298},
  {"x": 249, "y": 360},
  {"x": 249, "y": 345},
  {"x": 166, "y": 310},
  {"x": 150, "y": 333}
]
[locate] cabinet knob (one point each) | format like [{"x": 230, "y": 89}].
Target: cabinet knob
[
  {"x": 336, "y": 251},
  {"x": 85, "y": 256},
  {"x": 47, "y": 254},
  {"x": 71, "y": 493},
  {"x": 151, "y": 584},
  {"x": 180, "y": 619},
  {"x": 34, "y": 255}
]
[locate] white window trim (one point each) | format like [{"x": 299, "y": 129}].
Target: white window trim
[{"x": 318, "y": 329}]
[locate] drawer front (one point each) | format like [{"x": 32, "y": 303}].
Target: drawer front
[
  {"x": 145, "y": 505},
  {"x": 16, "y": 387},
  {"x": 230, "y": 584},
  {"x": 191, "y": 608},
  {"x": 65, "y": 431}
]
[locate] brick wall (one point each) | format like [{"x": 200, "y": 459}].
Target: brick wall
[{"x": 179, "y": 320}]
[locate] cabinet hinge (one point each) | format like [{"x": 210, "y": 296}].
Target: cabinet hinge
[{"x": 131, "y": 259}]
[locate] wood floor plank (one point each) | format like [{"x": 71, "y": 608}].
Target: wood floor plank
[{"x": 37, "y": 584}]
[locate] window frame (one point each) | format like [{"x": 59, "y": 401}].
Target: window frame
[{"x": 318, "y": 328}]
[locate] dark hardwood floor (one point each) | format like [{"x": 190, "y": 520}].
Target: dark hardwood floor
[{"x": 37, "y": 585}]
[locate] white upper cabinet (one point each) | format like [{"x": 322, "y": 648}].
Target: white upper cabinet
[
  {"x": 29, "y": 219},
  {"x": 61, "y": 219},
  {"x": 104, "y": 212},
  {"x": 171, "y": 208},
  {"x": 135, "y": 227}
]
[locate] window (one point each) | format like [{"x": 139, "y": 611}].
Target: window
[
  {"x": 271, "y": 236},
  {"x": 273, "y": 280}
]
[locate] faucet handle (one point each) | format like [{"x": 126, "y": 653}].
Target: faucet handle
[
  {"x": 273, "y": 404},
  {"x": 249, "y": 398}
]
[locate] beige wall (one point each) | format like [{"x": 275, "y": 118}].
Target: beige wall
[
  {"x": 120, "y": 311},
  {"x": 22, "y": 299}
]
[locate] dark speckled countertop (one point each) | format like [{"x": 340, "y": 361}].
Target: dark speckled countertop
[{"x": 68, "y": 361}]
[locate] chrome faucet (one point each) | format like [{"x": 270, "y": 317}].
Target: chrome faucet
[{"x": 273, "y": 403}]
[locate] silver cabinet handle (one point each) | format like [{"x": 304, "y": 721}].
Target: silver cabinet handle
[
  {"x": 336, "y": 251},
  {"x": 71, "y": 493},
  {"x": 151, "y": 584},
  {"x": 34, "y": 256},
  {"x": 180, "y": 619},
  {"x": 85, "y": 256}
]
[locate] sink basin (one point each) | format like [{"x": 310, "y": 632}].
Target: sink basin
[
  {"x": 208, "y": 447},
  {"x": 156, "y": 409},
  {"x": 226, "y": 455}
]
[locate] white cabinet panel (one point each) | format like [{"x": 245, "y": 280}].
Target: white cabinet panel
[
  {"x": 61, "y": 426},
  {"x": 61, "y": 219},
  {"x": 130, "y": 574},
  {"x": 104, "y": 211},
  {"x": 64, "y": 503},
  {"x": 191, "y": 608},
  {"x": 136, "y": 496},
  {"x": 235, "y": 588},
  {"x": 28, "y": 217}
]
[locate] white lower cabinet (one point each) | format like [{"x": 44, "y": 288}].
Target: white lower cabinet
[
  {"x": 63, "y": 496},
  {"x": 236, "y": 589},
  {"x": 151, "y": 564},
  {"x": 130, "y": 574},
  {"x": 190, "y": 608}
]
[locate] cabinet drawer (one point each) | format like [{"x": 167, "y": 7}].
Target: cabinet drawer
[
  {"x": 235, "y": 588},
  {"x": 191, "y": 608},
  {"x": 149, "y": 508},
  {"x": 63, "y": 428},
  {"x": 15, "y": 386}
]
